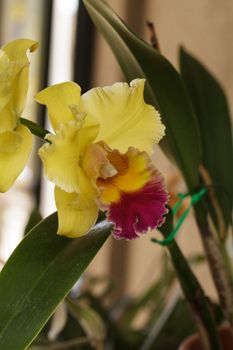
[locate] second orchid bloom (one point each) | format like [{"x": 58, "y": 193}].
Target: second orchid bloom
[
  {"x": 99, "y": 158},
  {"x": 15, "y": 138}
]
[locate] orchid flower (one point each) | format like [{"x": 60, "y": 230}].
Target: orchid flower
[
  {"x": 99, "y": 158},
  {"x": 15, "y": 138}
]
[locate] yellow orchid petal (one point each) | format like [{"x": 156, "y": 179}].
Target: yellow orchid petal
[
  {"x": 8, "y": 119},
  {"x": 5, "y": 85},
  {"x": 60, "y": 100},
  {"x": 76, "y": 213},
  {"x": 125, "y": 119},
  {"x": 10, "y": 141},
  {"x": 17, "y": 53},
  {"x": 12, "y": 163},
  {"x": 62, "y": 157},
  {"x": 16, "y": 50}
]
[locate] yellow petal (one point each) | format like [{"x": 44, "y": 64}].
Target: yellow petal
[
  {"x": 10, "y": 141},
  {"x": 12, "y": 163},
  {"x": 8, "y": 118},
  {"x": 62, "y": 157},
  {"x": 17, "y": 53},
  {"x": 60, "y": 100},
  {"x": 5, "y": 85},
  {"x": 76, "y": 213},
  {"x": 16, "y": 50},
  {"x": 125, "y": 119}
]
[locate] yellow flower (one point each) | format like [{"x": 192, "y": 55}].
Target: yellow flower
[
  {"x": 15, "y": 138},
  {"x": 99, "y": 157}
]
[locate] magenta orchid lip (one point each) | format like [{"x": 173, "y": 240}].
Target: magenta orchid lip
[{"x": 139, "y": 211}]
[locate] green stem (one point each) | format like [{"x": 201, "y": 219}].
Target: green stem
[
  {"x": 196, "y": 298},
  {"x": 192, "y": 290},
  {"x": 34, "y": 128}
]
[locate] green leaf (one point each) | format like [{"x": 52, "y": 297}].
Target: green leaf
[
  {"x": 213, "y": 116},
  {"x": 164, "y": 88},
  {"x": 33, "y": 220},
  {"x": 38, "y": 275}
]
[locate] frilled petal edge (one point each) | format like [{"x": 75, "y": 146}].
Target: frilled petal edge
[
  {"x": 62, "y": 157},
  {"x": 125, "y": 119}
]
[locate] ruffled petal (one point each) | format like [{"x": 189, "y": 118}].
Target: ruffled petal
[
  {"x": 77, "y": 213},
  {"x": 139, "y": 211},
  {"x": 62, "y": 157},
  {"x": 17, "y": 53},
  {"x": 125, "y": 119},
  {"x": 13, "y": 157},
  {"x": 61, "y": 100}
]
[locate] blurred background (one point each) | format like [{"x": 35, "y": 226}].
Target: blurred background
[{"x": 71, "y": 49}]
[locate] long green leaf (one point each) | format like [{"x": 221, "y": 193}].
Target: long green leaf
[
  {"x": 164, "y": 88},
  {"x": 38, "y": 275},
  {"x": 213, "y": 115}
]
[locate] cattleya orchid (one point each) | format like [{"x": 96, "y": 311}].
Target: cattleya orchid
[
  {"x": 15, "y": 138},
  {"x": 99, "y": 158}
]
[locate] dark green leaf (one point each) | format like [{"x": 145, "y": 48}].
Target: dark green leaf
[
  {"x": 34, "y": 219},
  {"x": 212, "y": 111},
  {"x": 164, "y": 88},
  {"x": 38, "y": 275}
]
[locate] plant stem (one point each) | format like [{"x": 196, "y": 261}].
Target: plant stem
[
  {"x": 218, "y": 269},
  {"x": 193, "y": 291},
  {"x": 196, "y": 298},
  {"x": 34, "y": 128}
]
